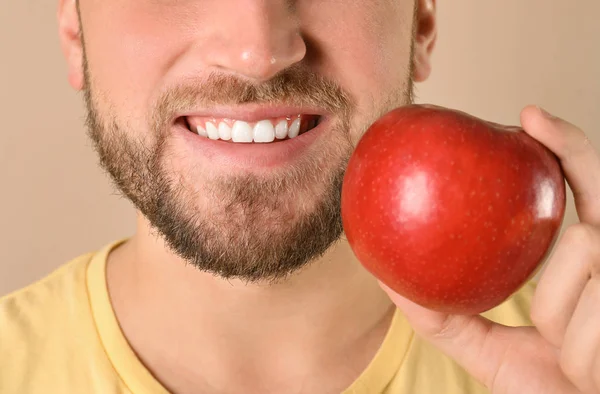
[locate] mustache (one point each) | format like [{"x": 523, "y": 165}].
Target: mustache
[{"x": 294, "y": 86}]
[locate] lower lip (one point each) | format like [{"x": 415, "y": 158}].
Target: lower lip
[{"x": 252, "y": 155}]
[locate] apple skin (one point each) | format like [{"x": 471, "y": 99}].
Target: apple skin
[{"x": 451, "y": 211}]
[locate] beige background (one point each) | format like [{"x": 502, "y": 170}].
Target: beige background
[{"x": 491, "y": 60}]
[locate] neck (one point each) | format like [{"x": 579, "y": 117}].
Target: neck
[{"x": 332, "y": 307}]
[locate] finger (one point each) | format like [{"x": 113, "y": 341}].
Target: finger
[
  {"x": 582, "y": 340},
  {"x": 579, "y": 160},
  {"x": 566, "y": 275},
  {"x": 474, "y": 342}
]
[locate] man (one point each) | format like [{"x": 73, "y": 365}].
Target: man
[{"x": 228, "y": 123}]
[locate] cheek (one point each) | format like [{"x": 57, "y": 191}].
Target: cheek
[
  {"x": 370, "y": 56},
  {"x": 130, "y": 45}
]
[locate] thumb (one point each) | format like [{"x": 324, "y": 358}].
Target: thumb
[{"x": 474, "y": 342}]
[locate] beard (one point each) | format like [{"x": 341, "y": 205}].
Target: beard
[{"x": 250, "y": 227}]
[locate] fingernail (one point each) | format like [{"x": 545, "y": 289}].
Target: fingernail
[{"x": 546, "y": 114}]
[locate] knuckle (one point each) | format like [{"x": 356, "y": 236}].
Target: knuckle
[
  {"x": 548, "y": 324},
  {"x": 585, "y": 241},
  {"x": 463, "y": 331},
  {"x": 447, "y": 328},
  {"x": 540, "y": 317},
  {"x": 570, "y": 364},
  {"x": 577, "y": 144},
  {"x": 580, "y": 235}
]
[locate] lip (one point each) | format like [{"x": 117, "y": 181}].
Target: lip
[
  {"x": 255, "y": 112},
  {"x": 252, "y": 156}
]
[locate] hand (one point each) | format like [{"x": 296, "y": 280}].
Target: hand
[{"x": 561, "y": 354}]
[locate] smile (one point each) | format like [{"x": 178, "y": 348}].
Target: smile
[
  {"x": 261, "y": 131},
  {"x": 253, "y": 138}
]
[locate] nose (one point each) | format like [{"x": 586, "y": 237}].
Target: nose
[{"x": 255, "y": 39}]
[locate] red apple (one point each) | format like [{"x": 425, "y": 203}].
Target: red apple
[{"x": 451, "y": 211}]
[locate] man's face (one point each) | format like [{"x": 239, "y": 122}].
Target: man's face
[{"x": 158, "y": 72}]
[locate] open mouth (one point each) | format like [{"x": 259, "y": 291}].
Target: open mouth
[{"x": 263, "y": 131}]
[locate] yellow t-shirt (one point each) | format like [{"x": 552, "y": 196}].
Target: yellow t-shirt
[{"x": 61, "y": 336}]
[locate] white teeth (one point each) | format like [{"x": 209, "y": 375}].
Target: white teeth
[
  {"x": 213, "y": 132},
  {"x": 264, "y": 131},
  {"x": 294, "y": 128},
  {"x": 281, "y": 130},
  {"x": 241, "y": 132},
  {"x": 201, "y": 131},
  {"x": 224, "y": 131}
]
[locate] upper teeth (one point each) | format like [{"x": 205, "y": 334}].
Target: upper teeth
[
  {"x": 224, "y": 131},
  {"x": 262, "y": 131},
  {"x": 212, "y": 131},
  {"x": 281, "y": 129}
]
